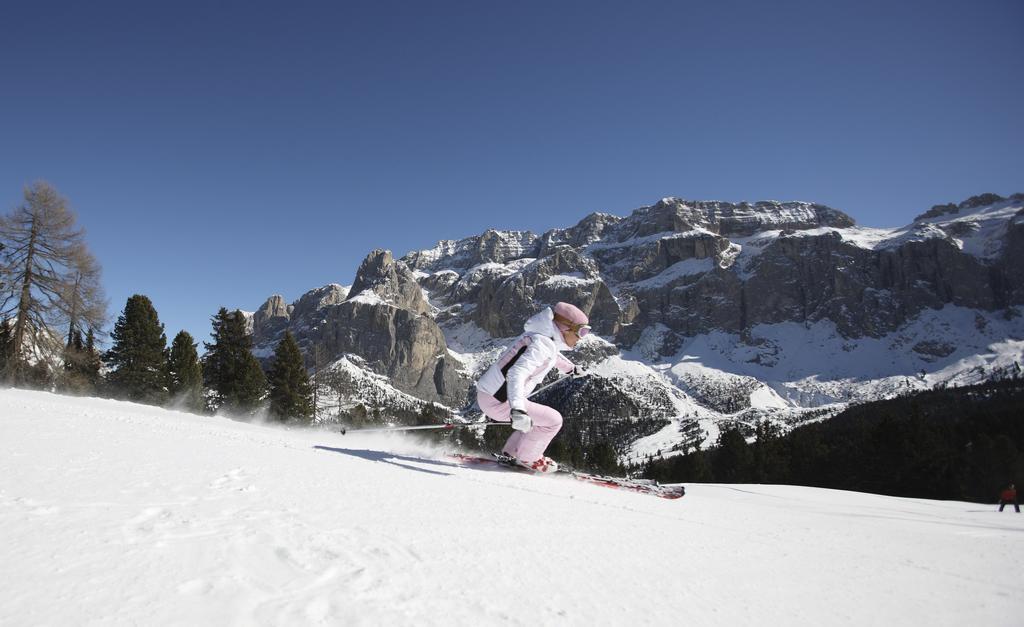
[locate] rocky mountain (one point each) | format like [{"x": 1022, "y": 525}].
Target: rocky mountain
[
  {"x": 704, "y": 312},
  {"x": 383, "y": 321}
]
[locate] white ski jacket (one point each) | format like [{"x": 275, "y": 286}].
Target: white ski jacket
[{"x": 527, "y": 361}]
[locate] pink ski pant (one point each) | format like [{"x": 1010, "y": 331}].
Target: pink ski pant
[{"x": 528, "y": 446}]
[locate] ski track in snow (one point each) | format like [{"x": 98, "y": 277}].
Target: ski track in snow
[{"x": 115, "y": 513}]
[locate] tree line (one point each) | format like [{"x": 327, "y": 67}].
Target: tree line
[
  {"x": 228, "y": 378},
  {"x": 53, "y": 310},
  {"x": 954, "y": 443}
]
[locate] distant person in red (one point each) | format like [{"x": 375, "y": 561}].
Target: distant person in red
[{"x": 1008, "y": 496}]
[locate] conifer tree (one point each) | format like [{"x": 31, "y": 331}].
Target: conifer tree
[
  {"x": 232, "y": 372},
  {"x": 185, "y": 373},
  {"x": 602, "y": 458},
  {"x": 73, "y": 379},
  {"x": 93, "y": 362},
  {"x": 137, "y": 358},
  {"x": 733, "y": 462},
  {"x": 291, "y": 395},
  {"x": 769, "y": 455},
  {"x": 697, "y": 465}
]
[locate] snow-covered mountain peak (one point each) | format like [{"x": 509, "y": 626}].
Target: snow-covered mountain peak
[
  {"x": 670, "y": 215},
  {"x": 673, "y": 215},
  {"x": 980, "y": 204},
  {"x": 492, "y": 246},
  {"x": 330, "y": 294},
  {"x": 977, "y": 226}
]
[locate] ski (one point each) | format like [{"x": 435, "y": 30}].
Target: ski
[{"x": 640, "y": 486}]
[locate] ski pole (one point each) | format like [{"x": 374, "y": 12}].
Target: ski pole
[
  {"x": 447, "y": 425},
  {"x": 549, "y": 385},
  {"x": 454, "y": 425}
]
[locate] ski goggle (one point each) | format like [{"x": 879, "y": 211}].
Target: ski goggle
[{"x": 579, "y": 330}]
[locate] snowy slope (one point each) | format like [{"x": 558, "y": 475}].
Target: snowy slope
[{"x": 114, "y": 513}]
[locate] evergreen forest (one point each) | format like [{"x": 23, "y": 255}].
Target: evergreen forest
[{"x": 954, "y": 443}]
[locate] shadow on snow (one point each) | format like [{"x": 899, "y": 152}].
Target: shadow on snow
[{"x": 394, "y": 459}]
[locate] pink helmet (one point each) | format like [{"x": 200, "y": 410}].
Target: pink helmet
[{"x": 571, "y": 318}]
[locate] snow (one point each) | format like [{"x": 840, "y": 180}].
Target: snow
[
  {"x": 764, "y": 397},
  {"x": 659, "y": 444},
  {"x": 367, "y": 297},
  {"x": 749, "y": 248},
  {"x": 986, "y": 231},
  {"x": 815, "y": 357},
  {"x": 1001, "y": 210},
  {"x": 913, "y": 233},
  {"x": 343, "y": 288},
  {"x": 618, "y": 366},
  {"x": 361, "y": 385},
  {"x": 652, "y": 338},
  {"x": 763, "y": 213},
  {"x": 571, "y": 280},
  {"x": 980, "y": 232},
  {"x": 684, "y": 268},
  {"x": 632, "y": 242},
  {"x": 792, "y": 373},
  {"x": 865, "y": 237},
  {"x": 474, "y": 347},
  {"x": 459, "y": 254},
  {"x": 115, "y": 513},
  {"x": 976, "y": 231},
  {"x": 771, "y": 213}
]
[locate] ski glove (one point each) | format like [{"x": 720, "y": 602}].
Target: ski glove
[{"x": 521, "y": 420}]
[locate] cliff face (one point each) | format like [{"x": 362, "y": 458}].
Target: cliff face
[
  {"x": 383, "y": 319},
  {"x": 698, "y": 267}
]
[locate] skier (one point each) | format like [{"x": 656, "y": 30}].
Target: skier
[
  {"x": 1009, "y": 497},
  {"x": 502, "y": 390}
]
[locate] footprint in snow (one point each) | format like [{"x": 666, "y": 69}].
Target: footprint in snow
[
  {"x": 196, "y": 587},
  {"x": 234, "y": 480},
  {"x": 145, "y": 522}
]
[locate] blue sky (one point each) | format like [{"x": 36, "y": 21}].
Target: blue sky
[{"x": 219, "y": 153}]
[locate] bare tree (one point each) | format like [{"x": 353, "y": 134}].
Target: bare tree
[
  {"x": 51, "y": 279},
  {"x": 84, "y": 302}
]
